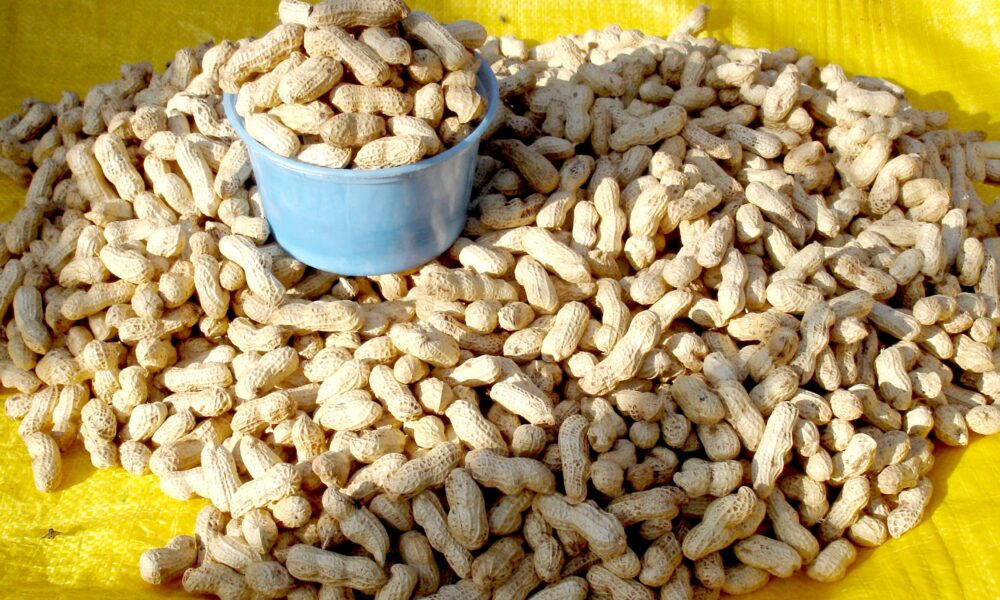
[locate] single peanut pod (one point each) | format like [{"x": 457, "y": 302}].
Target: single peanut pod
[
  {"x": 510, "y": 475},
  {"x": 467, "y": 104},
  {"x": 416, "y": 552},
  {"x": 574, "y": 455},
  {"x": 262, "y": 54},
  {"x": 426, "y": 471},
  {"x": 388, "y": 152},
  {"x": 429, "y": 104},
  {"x": 198, "y": 173},
  {"x": 773, "y": 556},
  {"x": 160, "y": 565},
  {"x": 46, "y": 461},
  {"x": 353, "y": 98},
  {"x": 29, "y": 316},
  {"x": 113, "y": 157},
  {"x": 355, "y": 572},
  {"x": 467, "y": 517},
  {"x": 429, "y": 514},
  {"x": 363, "y": 62},
  {"x": 417, "y": 127},
  {"x": 832, "y": 562},
  {"x": 603, "y": 532},
  {"x": 270, "y": 132},
  {"x": 397, "y": 397},
  {"x": 424, "y": 28},
  {"x": 308, "y": 81},
  {"x": 358, "y": 13},
  {"x": 393, "y": 50}
]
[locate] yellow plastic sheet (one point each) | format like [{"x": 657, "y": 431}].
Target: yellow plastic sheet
[{"x": 83, "y": 542}]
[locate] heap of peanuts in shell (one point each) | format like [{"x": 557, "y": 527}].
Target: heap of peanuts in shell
[
  {"x": 711, "y": 307},
  {"x": 351, "y": 54}
]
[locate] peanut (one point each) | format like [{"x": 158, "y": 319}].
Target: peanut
[
  {"x": 312, "y": 564},
  {"x": 159, "y": 565}
]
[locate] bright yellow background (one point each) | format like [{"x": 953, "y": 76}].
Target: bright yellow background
[{"x": 107, "y": 518}]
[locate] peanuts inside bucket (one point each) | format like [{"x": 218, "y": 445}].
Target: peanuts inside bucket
[{"x": 708, "y": 314}]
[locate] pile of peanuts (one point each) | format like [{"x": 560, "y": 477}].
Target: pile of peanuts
[
  {"x": 425, "y": 98},
  {"x": 710, "y": 309}
]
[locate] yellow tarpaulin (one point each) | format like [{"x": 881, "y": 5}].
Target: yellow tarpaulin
[{"x": 83, "y": 542}]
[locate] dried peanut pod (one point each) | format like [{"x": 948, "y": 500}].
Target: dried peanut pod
[
  {"x": 467, "y": 517},
  {"x": 46, "y": 462},
  {"x": 832, "y": 562},
  {"x": 604, "y": 533},
  {"x": 429, "y": 470},
  {"x": 574, "y": 457},
  {"x": 269, "y": 578},
  {"x": 358, "y": 13},
  {"x": 467, "y": 104},
  {"x": 540, "y": 174},
  {"x": 720, "y": 523},
  {"x": 429, "y": 103},
  {"x": 510, "y": 475},
  {"x": 422, "y": 27},
  {"x": 650, "y": 130},
  {"x": 214, "y": 578},
  {"x": 311, "y": 79},
  {"x": 470, "y": 34},
  {"x": 427, "y": 512},
  {"x": 393, "y": 50},
  {"x": 262, "y": 93},
  {"x": 525, "y": 400},
  {"x": 624, "y": 360},
  {"x": 261, "y": 55},
  {"x": 773, "y": 556},
  {"x": 352, "y": 98},
  {"x": 273, "y": 134},
  {"x": 497, "y": 563},
  {"x": 392, "y": 151},
  {"x": 417, "y": 553},
  {"x": 160, "y": 565},
  {"x": 307, "y": 563},
  {"x": 414, "y": 126},
  {"x": 984, "y": 420},
  {"x": 29, "y": 317},
  {"x": 113, "y": 157},
  {"x": 401, "y": 584},
  {"x": 425, "y": 68},
  {"x": 397, "y": 397},
  {"x": 278, "y": 482},
  {"x": 697, "y": 401}
]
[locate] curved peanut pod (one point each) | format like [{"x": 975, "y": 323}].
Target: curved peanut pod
[
  {"x": 429, "y": 470},
  {"x": 356, "y": 572},
  {"x": 604, "y": 533},
  {"x": 429, "y": 514},
  {"x": 769, "y": 460},
  {"x": 433, "y": 35},
  {"x": 510, "y": 475}
]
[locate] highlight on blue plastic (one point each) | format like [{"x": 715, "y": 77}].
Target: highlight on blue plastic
[{"x": 358, "y": 222}]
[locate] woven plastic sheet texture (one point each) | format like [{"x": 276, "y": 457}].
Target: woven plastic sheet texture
[{"x": 84, "y": 542}]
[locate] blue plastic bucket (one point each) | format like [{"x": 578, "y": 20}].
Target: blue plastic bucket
[{"x": 357, "y": 222}]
